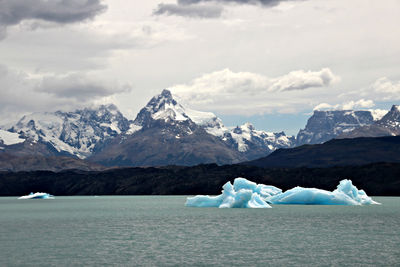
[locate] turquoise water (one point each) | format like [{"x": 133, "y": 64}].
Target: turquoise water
[{"x": 159, "y": 230}]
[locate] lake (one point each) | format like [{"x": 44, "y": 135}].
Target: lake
[{"x": 160, "y": 230}]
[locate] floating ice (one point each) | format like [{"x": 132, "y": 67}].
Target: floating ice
[
  {"x": 242, "y": 194},
  {"x": 345, "y": 194},
  {"x": 247, "y": 194},
  {"x": 37, "y": 195}
]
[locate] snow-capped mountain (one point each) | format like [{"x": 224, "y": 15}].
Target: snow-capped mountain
[
  {"x": 246, "y": 138},
  {"x": 388, "y": 125},
  {"x": 166, "y": 132},
  {"x": 173, "y": 134},
  {"x": 326, "y": 125},
  {"x": 75, "y": 133},
  {"x": 103, "y": 134},
  {"x": 165, "y": 109}
]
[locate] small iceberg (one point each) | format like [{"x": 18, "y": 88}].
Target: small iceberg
[
  {"x": 37, "y": 195},
  {"x": 246, "y": 194}
]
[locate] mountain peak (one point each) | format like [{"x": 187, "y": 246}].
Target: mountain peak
[
  {"x": 166, "y": 93},
  {"x": 395, "y": 108},
  {"x": 162, "y": 107},
  {"x": 392, "y": 118}
]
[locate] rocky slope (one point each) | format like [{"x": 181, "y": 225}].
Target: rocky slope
[
  {"x": 15, "y": 163},
  {"x": 388, "y": 125},
  {"x": 326, "y": 125}
]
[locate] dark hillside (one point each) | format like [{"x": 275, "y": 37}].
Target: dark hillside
[{"x": 376, "y": 179}]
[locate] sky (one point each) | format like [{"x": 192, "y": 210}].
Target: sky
[{"x": 270, "y": 62}]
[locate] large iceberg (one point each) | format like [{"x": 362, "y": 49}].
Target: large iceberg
[
  {"x": 242, "y": 194},
  {"x": 247, "y": 194},
  {"x": 37, "y": 195},
  {"x": 345, "y": 194}
]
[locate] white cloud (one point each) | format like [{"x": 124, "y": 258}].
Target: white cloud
[
  {"x": 299, "y": 80},
  {"x": 349, "y": 105},
  {"x": 325, "y": 106},
  {"x": 387, "y": 89},
  {"x": 362, "y": 103},
  {"x": 382, "y": 90},
  {"x": 250, "y": 93}
]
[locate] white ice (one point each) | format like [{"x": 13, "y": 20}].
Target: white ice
[
  {"x": 37, "y": 195},
  {"x": 247, "y": 194}
]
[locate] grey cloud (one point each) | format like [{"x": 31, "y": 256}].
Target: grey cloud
[
  {"x": 60, "y": 11},
  {"x": 21, "y": 92},
  {"x": 195, "y": 11},
  {"x": 13, "y": 12},
  {"x": 198, "y": 9},
  {"x": 251, "y": 2},
  {"x": 79, "y": 87},
  {"x": 2, "y": 32}
]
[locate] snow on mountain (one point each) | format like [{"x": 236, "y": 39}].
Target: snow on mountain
[
  {"x": 76, "y": 133},
  {"x": 388, "y": 125},
  {"x": 378, "y": 114},
  {"x": 164, "y": 107},
  {"x": 391, "y": 120},
  {"x": 247, "y": 137},
  {"x": 325, "y": 125},
  {"x": 8, "y": 138}
]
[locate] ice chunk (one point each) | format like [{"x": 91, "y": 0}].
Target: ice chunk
[
  {"x": 345, "y": 194},
  {"x": 262, "y": 189},
  {"x": 37, "y": 195},
  {"x": 246, "y": 194},
  {"x": 242, "y": 194}
]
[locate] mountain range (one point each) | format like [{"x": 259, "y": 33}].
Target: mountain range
[{"x": 165, "y": 132}]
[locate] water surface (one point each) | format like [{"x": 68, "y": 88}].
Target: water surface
[{"x": 159, "y": 230}]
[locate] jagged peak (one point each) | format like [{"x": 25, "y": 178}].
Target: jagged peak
[
  {"x": 165, "y": 107},
  {"x": 395, "y": 108},
  {"x": 159, "y": 101},
  {"x": 166, "y": 93},
  {"x": 393, "y": 116}
]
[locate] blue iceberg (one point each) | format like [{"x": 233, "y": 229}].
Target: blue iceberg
[
  {"x": 37, "y": 195},
  {"x": 242, "y": 194},
  {"x": 345, "y": 194},
  {"x": 246, "y": 194}
]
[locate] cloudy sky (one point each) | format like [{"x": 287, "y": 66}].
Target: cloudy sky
[{"x": 271, "y": 62}]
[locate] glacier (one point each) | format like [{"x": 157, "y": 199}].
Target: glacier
[
  {"x": 246, "y": 194},
  {"x": 37, "y": 195}
]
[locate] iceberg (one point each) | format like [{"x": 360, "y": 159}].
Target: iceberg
[
  {"x": 345, "y": 194},
  {"x": 37, "y": 195},
  {"x": 242, "y": 194},
  {"x": 246, "y": 194}
]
